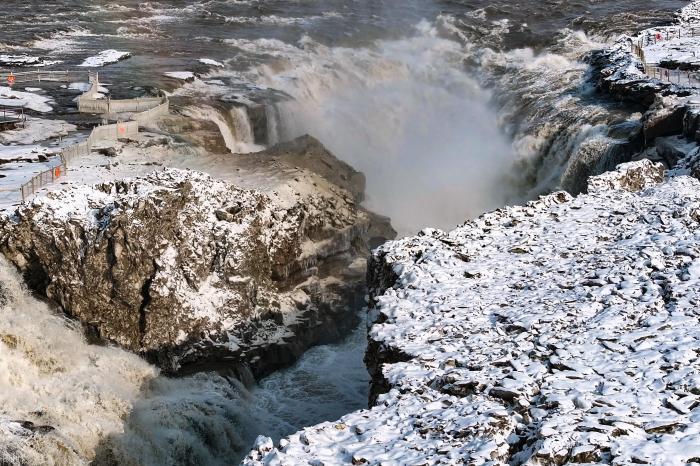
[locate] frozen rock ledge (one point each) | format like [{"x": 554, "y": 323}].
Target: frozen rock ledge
[{"x": 563, "y": 331}]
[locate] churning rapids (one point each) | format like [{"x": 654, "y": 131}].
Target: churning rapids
[{"x": 450, "y": 108}]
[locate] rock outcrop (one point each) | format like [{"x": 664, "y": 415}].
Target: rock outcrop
[
  {"x": 193, "y": 272},
  {"x": 563, "y": 331}
]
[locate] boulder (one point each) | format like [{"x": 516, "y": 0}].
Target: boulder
[
  {"x": 308, "y": 153},
  {"x": 665, "y": 119},
  {"x": 191, "y": 271},
  {"x": 674, "y": 148},
  {"x": 632, "y": 177}
]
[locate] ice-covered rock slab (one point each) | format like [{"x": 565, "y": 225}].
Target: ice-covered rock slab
[
  {"x": 563, "y": 331},
  {"x": 106, "y": 57}
]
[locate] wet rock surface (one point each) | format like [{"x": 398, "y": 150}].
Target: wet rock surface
[
  {"x": 193, "y": 272},
  {"x": 308, "y": 153},
  {"x": 563, "y": 331}
]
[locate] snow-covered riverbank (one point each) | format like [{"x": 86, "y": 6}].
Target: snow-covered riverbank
[{"x": 562, "y": 331}]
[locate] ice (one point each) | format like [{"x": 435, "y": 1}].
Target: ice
[
  {"x": 29, "y": 100},
  {"x": 105, "y": 57},
  {"x": 181, "y": 75},
  {"x": 209, "y": 61}
]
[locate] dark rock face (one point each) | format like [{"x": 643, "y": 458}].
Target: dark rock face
[
  {"x": 672, "y": 149},
  {"x": 664, "y": 121},
  {"x": 691, "y": 122},
  {"x": 191, "y": 272},
  {"x": 380, "y": 278}
]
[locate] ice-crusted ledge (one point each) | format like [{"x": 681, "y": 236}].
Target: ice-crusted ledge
[{"x": 566, "y": 330}]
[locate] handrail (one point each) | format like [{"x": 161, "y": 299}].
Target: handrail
[
  {"x": 12, "y": 115},
  {"x": 153, "y": 108},
  {"x": 653, "y": 70}
]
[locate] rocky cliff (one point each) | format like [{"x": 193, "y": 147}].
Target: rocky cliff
[
  {"x": 194, "y": 272},
  {"x": 563, "y": 331}
]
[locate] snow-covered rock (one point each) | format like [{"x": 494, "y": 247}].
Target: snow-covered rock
[
  {"x": 37, "y": 102},
  {"x": 633, "y": 177},
  {"x": 189, "y": 270},
  {"x": 104, "y": 58},
  {"x": 24, "y": 60},
  {"x": 210, "y": 62},
  {"x": 187, "y": 76},
  {"x": 563, "y": 331}
]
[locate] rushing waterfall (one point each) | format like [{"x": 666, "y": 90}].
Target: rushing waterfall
[{"x": 234, "y": 125}]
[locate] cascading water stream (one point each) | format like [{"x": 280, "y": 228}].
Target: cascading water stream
[
  {"x": 108, "y": 403},
  {"x": 407, "y": 116}
]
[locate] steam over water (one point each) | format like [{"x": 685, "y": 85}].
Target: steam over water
[
  {"x": 406, "y": 115},
  {"x": 450, "y": 108}
]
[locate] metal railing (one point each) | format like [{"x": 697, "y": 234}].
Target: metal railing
[
  {"x": 153, "y": 108},
  {"x": 653, "y": 70},
  {"x": 39, "y": 75},
  {"x": 672, "y": 76},
  {"x": 12, "y": 115},
  {"x": 654, "y": 36}
]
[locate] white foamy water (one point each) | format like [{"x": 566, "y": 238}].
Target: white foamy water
[
  {"x": 95, "y": 402},
  {"x": 88, "y": 401},
  {"x": 50, "y": 376},
  {"x": 234, "y": 126},
  {"x": 405, "y": 114},
  {"x": 327, "y": 382}
]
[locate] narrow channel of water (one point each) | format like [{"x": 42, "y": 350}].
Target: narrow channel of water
[{"x": 328, "y": 382}]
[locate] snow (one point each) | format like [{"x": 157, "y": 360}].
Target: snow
[
  {"x": 677, "y": 44},
  {"x": 25, "y": 60},
  {"x": 209, "y": 61},
  {"x": 29, "y": 100},
  {"x": 682, "y": 50},
  {"x": 563, "y": 330},
  {"x": 105, "y": 57},
  {"x": 35, "y": 130},
  {"x": 181, "y": 75}
]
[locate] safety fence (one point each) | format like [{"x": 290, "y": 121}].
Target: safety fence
[
  {"x": 12, "y": 115},
  {"x": 654, "y": 71},
  {"x": 145, "y": 111},
  {"x": 672, "y": 76},
  {"x": 38, "y": 76},
  {"x": 42, "y": 179},
  {"x": 655, "y": 36}
]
